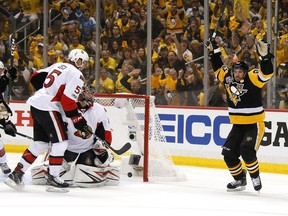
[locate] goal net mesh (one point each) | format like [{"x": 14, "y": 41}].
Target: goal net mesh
[{"x": 127, "y": 118}]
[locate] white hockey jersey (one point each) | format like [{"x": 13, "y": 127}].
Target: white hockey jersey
[
  {"x": 94, "y": 116},
  {"x": 61, "y": 88}
]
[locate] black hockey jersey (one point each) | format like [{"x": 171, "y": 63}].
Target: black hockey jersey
[{"x": 244, "y": 98}]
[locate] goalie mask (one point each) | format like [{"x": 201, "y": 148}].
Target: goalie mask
[
  {"x": 87, "y": 95},
  {"x": 242, "y": 66}
]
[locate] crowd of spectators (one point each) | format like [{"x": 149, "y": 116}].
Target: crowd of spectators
[{"x": 177, "y": 44}]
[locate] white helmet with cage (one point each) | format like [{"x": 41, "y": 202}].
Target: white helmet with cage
[
  {"x": 88, "y": 92},
  {"x": 77, "y": 54}
]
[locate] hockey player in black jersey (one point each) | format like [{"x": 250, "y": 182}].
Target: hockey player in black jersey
[{"x": 243, "y": 89}]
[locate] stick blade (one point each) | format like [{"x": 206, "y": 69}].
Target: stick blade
[{"x": 122, "y": 150}]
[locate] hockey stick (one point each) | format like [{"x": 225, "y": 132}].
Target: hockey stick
[
  {"x": 213, "y": 36},
  {"x": 20, "y": 134},
  {"x": 11, "y": 42},
  {"x": 224, "y": 4},
  {"x": 6, "y": 106}
]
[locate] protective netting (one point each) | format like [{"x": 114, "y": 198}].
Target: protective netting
[{"x": 127, "y": 118}]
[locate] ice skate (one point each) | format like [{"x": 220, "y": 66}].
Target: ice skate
[
  {"x": 14, "y": 180},
  {"x": 238, "y": 185},
  {"x": 257, "y": 183},
  {"x": 5, "y": 169},
  {"x": 56, "y": 184}
]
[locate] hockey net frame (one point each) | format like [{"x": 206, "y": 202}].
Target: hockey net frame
[{"x": 154, "y": 141}]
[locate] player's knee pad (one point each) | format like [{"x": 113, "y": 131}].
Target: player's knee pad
[
  {"x": 38, "y": 147},
  {"x": 248, "y": 154}
]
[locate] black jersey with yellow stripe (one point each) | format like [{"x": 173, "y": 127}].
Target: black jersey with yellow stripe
[{"x": 244, "y": 98}]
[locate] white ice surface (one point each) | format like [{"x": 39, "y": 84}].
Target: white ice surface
[{"x": 203, "y": 193}]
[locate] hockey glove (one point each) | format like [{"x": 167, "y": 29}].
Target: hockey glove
[
  {"x": 12, "y": 71},
  {"x": 98, "y": 144},
  {"x": 81, "y": 125},
  {"x": 3, "y": 122},
  {"x": 263, "y": 50},
  {"x": 10, "y": 129},
  {"x": 212, "y": 46}
]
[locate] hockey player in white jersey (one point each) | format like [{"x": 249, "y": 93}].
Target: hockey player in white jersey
[
  {"x": 59, "y": 94},
  {"x": 87, "y": 163},
  {"x": 9, "y": 128}
]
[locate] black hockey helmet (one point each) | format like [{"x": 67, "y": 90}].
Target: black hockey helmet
[{"x": 240, "y": 65}]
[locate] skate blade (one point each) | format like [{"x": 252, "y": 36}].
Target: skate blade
[
  {"x": 236, "y": 189},
  {"x": 56, "y": 189},
  {"x": 13, "y": 185}
]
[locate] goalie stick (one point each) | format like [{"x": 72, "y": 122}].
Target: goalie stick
[{"x": 120, "y": 151}]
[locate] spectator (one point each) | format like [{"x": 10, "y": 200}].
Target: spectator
[
  {"x": 194, "y": 30},
  {"x": 19, "y": 87},
  {"x": 123, "y": 72},
  {"x": 174, "y": 15},
  {"x": 135, "y": 85},
  {"x": 108, "y": 6},
  {"x": 170, "y": 84},
  {"x": 123, "y": 22},
  {"x": 127, "y": 58},
  {"x": 109, "y": 63},
  {"x": 116, "y": 36},
  {"x": 76, "y": 44},
  {"x": 70, "y": 11},
  {"x": 106, "y": 84},
  {"x": 135, "y": 32},
  {"x": 29, "y": 13},
  {"x": 87, "y": 26},
  {"x": 116, "y": 51}
]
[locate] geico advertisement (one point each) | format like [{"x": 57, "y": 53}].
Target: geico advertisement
[{"x": 189, "y": 132}]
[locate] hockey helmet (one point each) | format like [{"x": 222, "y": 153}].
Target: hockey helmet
[
  {"x": 2, "y": 67},
  {"x": 87, "y": 93},
  {"x": 77, "y": 54},
  {"x": 240, "y": 65}
]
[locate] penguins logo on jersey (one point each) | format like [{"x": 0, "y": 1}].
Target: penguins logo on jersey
[{"x": 235, "y": 91}]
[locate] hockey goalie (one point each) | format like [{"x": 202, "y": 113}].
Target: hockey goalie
[{"x": 87, "y": 162}]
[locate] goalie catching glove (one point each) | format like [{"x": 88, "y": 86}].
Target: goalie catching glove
[
  {"x": 81, "y": 125},
  {"x": 263, "y": 50}
]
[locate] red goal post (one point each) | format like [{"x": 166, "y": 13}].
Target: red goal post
[{"x": 134, "y": 119}]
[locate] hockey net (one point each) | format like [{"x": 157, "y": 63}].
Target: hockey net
[{"x": 134, "y": 119}]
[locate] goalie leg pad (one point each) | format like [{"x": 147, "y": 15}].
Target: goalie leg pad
[
  {"x": 88, "y": 176},
  {"x": 39, "y": 174}
]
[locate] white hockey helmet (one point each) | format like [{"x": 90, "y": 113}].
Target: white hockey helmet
[
  {"x": 77, "y": 54},
  {"x": 2, "y": 66}
]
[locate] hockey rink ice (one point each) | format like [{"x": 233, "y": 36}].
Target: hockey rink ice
[{"x": 203, "y": 193}]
